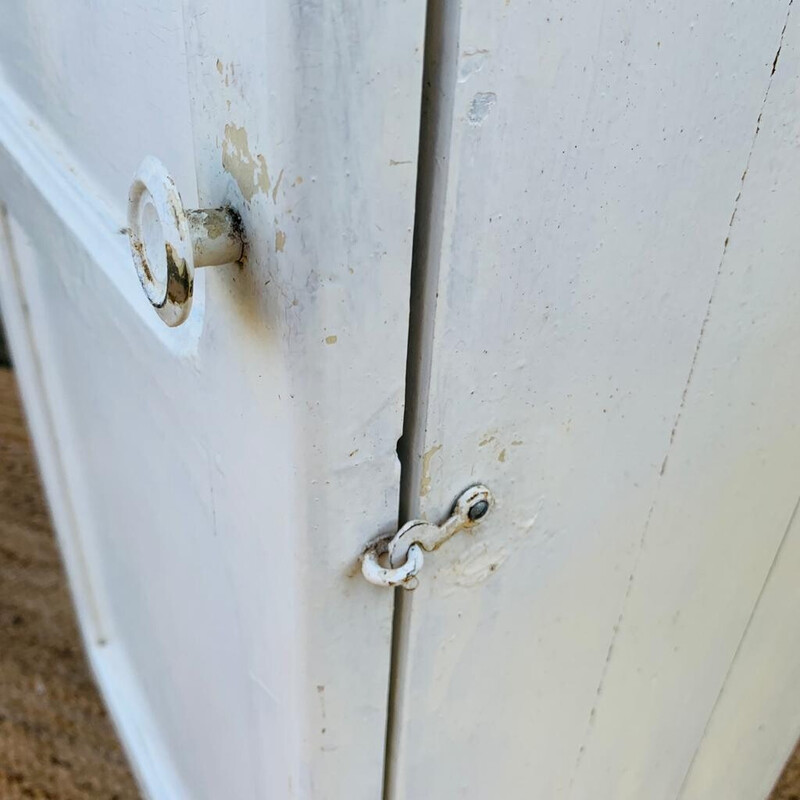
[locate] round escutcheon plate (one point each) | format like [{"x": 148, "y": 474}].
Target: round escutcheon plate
[{"x": 161, "y": 242}]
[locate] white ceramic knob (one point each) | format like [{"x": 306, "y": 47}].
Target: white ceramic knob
[{"x": 169, "y": 243}]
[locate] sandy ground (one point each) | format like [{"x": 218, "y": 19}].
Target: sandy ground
[{"x": 56, "y": 742}]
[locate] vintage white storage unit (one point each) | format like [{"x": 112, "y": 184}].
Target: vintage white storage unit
[{"x": 549, "y": 249}]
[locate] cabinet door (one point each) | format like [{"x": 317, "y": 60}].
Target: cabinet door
[
  {"x": 609, "y": 288},
  {"x": 213, "y": 484}
]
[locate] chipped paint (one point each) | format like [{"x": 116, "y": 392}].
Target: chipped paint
[
  {"x": 280, "y": 240},
  {"x": 250, "y": 172},
  {"x": 425, "y": 484},
  {"x": 217, "y": 236},
  {"x": 480, "y": 107},
  {"x": 403, "y": 550}
]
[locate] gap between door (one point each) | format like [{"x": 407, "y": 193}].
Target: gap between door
[{"x": 439, "y": 75}]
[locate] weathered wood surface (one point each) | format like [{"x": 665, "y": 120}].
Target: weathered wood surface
[
  {"x": 213, "y": 485},
  {"x": 613, "y": 353}
]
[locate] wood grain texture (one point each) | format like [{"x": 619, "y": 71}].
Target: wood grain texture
[
  {"x": 588, "y": 364},
  {"x": 55, "y": 737}
]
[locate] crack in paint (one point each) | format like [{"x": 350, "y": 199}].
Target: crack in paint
[{"x": 673, "y": 432}]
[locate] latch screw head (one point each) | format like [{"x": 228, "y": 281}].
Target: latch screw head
[{"x": 478, "y": 510}]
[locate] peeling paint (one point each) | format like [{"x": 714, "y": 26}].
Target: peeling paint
[{"x": 250, "y": 172}]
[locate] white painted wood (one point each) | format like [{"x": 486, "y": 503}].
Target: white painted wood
[
  {"x": 754, "y": 340},
  {"x": 612, "y": 361},
  {"x": 130, "y": 710},
  {"x": 729, "y": 490},
  {"x": 755, "y": 723},
  {"x": 111, "y": 78},
  {"x": 218, "y": 481},
  {"x": 606, "y": 336}
]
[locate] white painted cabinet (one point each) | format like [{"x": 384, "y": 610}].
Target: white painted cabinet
[
  {"x": 213, "y": 484},
  {"x": 572, "y": 278}
]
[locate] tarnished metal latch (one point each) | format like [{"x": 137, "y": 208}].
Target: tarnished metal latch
[
  {"x": 168, "y": 242},
  {"x": 402, "y": 551}
]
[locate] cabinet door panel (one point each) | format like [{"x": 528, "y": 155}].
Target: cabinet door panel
[
  {"x": 214, "y": 484},
  {"x": 111, "y": 78},
  {"x": 613, "y": 361}
]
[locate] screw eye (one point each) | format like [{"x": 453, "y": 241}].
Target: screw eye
[{"x": 478, "y": 510}]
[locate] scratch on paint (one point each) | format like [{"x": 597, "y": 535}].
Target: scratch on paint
[
  {"x": 277, "y": 186},
  {"x": 681, "y": 405},
  {"x": 261, "y": 685}
]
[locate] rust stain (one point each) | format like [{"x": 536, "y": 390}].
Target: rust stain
[
  {"x": 219, "y": 66},
  {"x": 425, "y": 485},
  {"x": 298, "y": 180},
  {"x": 250, "y": 172},
  {"x": 487, "y": 439},
  {"x": 139, "y": 247},
  {"x": 280, "y": 241},
  {"x": 332, "y": 340},
  {"x": 177, "y": 288},
  {"x": 502, "y": 457}
]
